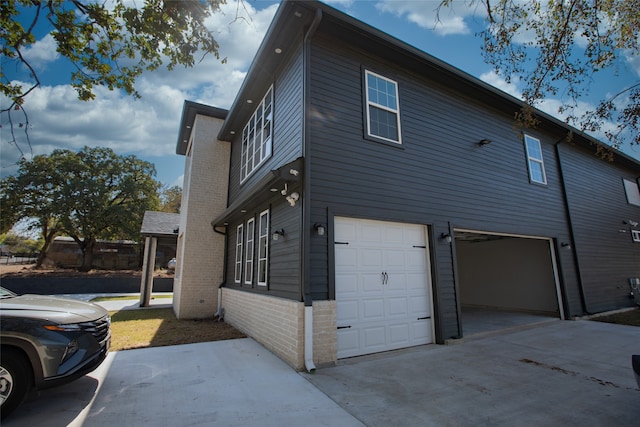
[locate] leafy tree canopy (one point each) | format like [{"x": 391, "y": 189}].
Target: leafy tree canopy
[
  {"x": 556, "y": 47},
  {"x": 89, "y": 195},
  {"x": 170, "y": 199}
]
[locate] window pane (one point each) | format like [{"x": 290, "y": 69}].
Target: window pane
[
  {"x": 537, "y": 173},
  {"x": 383, "y": 123}
]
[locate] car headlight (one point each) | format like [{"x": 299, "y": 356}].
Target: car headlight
[{"x": 63, "y": 328}]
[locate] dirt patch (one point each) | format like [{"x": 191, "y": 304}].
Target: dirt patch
[{"x": 21, "y": 270}]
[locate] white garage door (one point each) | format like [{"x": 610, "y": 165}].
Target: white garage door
[{"x": 383, "y": 297}]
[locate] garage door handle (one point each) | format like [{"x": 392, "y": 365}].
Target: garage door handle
[
  {"x": 424, "y": 318},
  {"x": 344, "y": 327}
]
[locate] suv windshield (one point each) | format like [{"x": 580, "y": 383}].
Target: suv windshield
[{"x": 6, "y": 293}]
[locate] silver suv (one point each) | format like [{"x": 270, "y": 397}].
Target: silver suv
[{"x": 47, "y": 341}]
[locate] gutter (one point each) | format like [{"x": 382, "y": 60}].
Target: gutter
[
  {"x": 306, "y": 198},
  {"x": 576, "y": 260}
]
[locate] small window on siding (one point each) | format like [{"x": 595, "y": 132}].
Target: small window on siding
[
  {"x": 263, "y": 248},
  {"x": 256, "y": 137},
  {"x": 383, "y": 110},
  {"x": 248, "y": 261},
  {"x": 635, "y": 235},
  {"x": 534, "y": 160},
  {"x": 632, "y": 189},
  {"x": 239, "y": 242}
]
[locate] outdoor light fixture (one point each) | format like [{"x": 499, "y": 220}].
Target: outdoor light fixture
[
  {"x": 278, "y": 234},
  {"x": 483, "y": 142},
  {"x": 293, "y": 198},
  {"x": 446, "y": 237},
  {"x": 566, "y": 245},
  {"x": 320, "y": 229}
]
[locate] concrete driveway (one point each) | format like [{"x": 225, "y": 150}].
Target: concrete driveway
[{"x": 569, "y": 373}]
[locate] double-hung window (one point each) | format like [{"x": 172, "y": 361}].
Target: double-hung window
[
  {"x": 534, "y": 160},
  {"x": 239, "y": 242},
  {"x": 257, "y": 137},
  {"x": 383, "y": 110},
  {"x": 248, "y": 261},
  {"x": 263, "y": 248}
]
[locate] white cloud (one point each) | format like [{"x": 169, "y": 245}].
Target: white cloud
[
  {"x": 495, "y": 80},
  {"x": 42, "y": 52},
  {"x": 425, "y": 14}
]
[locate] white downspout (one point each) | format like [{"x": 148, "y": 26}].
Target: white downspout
[{"x": 306, "y": 204}]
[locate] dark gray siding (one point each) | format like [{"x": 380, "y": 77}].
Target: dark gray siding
[
  {"x": 285, "y": 254},
  {"x": 606, "y": 254},
  {"x": 287, "y": 127},
  {"x": 438, "y": 176}
]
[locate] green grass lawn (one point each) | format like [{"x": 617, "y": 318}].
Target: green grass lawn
[{"x": 155, "y": 327}]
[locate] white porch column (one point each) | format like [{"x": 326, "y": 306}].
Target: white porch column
[{"x": 148, "y": 267}]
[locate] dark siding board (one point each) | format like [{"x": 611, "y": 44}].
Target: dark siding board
[
  {"x": 607, "y": 257},
  {"x": 287, "y": 130},
  {"x": 438, "y": 175}
]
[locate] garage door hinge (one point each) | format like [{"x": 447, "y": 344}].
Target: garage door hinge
[
  {"x": 341, "y": 243},
  {"x": 424, "y": 318},
  {"x": 344, "y": 327},
  {"x": 418, "y": 246}
]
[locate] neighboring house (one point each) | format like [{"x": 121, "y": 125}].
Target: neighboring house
[
  {"x": 115, "y": 255},
  {"x": 362, "y": 196}
]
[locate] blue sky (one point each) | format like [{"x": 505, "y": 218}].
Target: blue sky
[{"x": 148, "y": 127}]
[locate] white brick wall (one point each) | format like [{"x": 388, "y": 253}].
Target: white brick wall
[
  {"x": 200, "y": 250},
  {"x": 278, "y": 324}
]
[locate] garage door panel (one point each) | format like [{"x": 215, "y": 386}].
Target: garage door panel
[
  {"x": 347, "y": 311},
  {"x": 398, "y": 306},
  {"x": 347, "y": 285},
  {"x": 346, "y": 257},
  {"x": 391, "y": 291},
  {"x": 371, "y": 283},
  {"x": 373, "y": 309},
  {"x": 399, "y": 334}
]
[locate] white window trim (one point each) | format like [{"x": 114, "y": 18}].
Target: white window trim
[
  {"x": 382, "y": 107},
  {"x": 249, "y": 252},
  {"x": 635, "y": 236},
  {"x": 257, "y": 149},
  {"x": 263, "y": 235},
  {"x": 239, "y": 246},
  {"x": 530, "y": 159}
]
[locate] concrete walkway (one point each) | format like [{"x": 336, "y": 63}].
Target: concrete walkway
[{"x": 568, "y": 373}]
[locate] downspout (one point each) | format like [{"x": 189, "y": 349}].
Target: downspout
[
  {"x": 583, "y": 298},
  {"x": 224, "y": 271},
  {"x": 306, "y": 197}
]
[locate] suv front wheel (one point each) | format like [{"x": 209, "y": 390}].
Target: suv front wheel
[{"x": 15, "y": 380}]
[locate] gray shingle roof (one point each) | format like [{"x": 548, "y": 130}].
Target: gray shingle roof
[{"x": 160, "y": 224}]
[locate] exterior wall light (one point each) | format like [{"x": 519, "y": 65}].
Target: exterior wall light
[
  {"x": 320, "y": 229},
  {"x": 446, "y": 237},
  {"x": 566, "y": 245},
  {"x": 278, "y": 234},
  {"x": 483, "y": 142}
]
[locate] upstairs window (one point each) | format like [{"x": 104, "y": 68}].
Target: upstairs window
[
  {"x": 383, "y": 111},
  {"x": 534, "y": 160},
  {"x": 632, "y": 189},
  {"x": 257, "y": 137}
]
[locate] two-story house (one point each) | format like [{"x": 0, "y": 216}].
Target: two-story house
[{"x": 361, "y": 195}]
